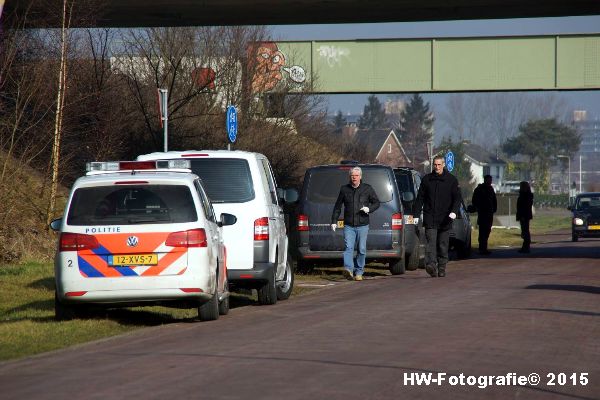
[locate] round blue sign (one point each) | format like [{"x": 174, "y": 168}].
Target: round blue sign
[
  {"x": 450, "y": 161},
  {"x": 231, "y": 123}
]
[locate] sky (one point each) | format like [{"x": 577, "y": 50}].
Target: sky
[{"x": 354, "y": 103}]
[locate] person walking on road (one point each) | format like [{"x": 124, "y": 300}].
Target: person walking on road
[
  {"x": 359, "y": 200},
  {"x": 525, "y": 214},
  {"x": 439, "y": 197},
  {"x": 484, "y": 201}
]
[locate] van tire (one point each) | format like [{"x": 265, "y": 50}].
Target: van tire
[
  {"x": 285, "y": 287},
  {"x": 66, "y": 312},
  {"x": 463, "y": 250},
  {"x": 397, "y": 267},
  {"x": 224, "y": 304},
  {"x": 303, "y": 267},
  {"x": 413, "y": 260},
  {"x": 267, "y": 293},
  {"x": 209, "y": 311}
]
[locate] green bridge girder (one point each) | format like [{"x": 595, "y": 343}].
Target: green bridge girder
[{"x": 566, "y": 62}]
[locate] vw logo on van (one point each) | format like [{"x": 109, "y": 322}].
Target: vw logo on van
[{"x": 132, "y": 241}]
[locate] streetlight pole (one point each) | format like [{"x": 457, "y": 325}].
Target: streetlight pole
[
  {"x": 580, "y": 181},
  {"x": 569, "y": 178}
]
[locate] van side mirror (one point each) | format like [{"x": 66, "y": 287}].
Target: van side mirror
[
  {"x": 407, "y": 196},
  {"x": 56, "y": 224},
  {"x": 227, "y": 219},
  {"x": 288, "y": 195}
]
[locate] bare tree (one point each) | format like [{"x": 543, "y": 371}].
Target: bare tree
[{"x": 489, "y": 119}]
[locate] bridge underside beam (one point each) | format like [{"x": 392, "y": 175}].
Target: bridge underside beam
[
  {"x": 443, "y": 65},
  {"x": 146, "y": 13}
]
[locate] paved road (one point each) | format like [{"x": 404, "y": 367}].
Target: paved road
[{"x": 360, "y": 340}]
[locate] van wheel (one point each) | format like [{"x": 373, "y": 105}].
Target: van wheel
[
  {"x": 303, "y": 268},
  {"x": 413, "y": 260},
  {"x": 224, "y": 304},
  {"x": 209, "y": 311},
  {"x": 284, "y": 287},
  {"x": 66, "y": 312},
  {"x": 574, "y": 238},
  {"x": 267, "y": 294},
  {"x": 463, "y": 250},
  {"x": 397, "y": 267}
]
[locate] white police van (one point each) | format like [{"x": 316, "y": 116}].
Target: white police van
[
  {"x": 140, "y": 233},
  {"x": 242, "y": 183}
]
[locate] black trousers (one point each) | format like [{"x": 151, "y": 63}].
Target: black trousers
[
  {"x": 436, "y": 250},
  {"x": 525, "y": 234},
  {"x": 484, "y": 235}
]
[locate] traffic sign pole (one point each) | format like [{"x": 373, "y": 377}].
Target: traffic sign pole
[{"x": 231, "y": 125}]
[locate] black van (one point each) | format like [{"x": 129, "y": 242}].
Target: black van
[
  {"x": 314, "y": 240},
  {"x": 408, "y": 181}
]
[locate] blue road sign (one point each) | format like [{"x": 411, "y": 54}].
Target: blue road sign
[
  {"x": 231, "y": 123},
  {"x": 450, "y": 161}
]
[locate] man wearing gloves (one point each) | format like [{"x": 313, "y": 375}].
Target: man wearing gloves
[
  {"x": 359, "y": 199},
  {"x": 439, "y": 197}
]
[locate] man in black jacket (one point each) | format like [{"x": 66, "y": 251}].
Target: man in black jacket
[
  {"x": 359, "y": 199},
  {"x": 439, "y": 197},
  {"x": 484, "y": 201}
]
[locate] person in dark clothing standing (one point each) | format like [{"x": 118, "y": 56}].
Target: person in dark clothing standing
[
  {"x": 484, "y": 201},
  {"x": 439, "y": 197},
  {"x": 359, "y": 199},
  {"x": 525, "y": 214}
]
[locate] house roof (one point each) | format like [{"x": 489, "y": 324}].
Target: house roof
[
  {"x": 373, "y": 140},
  {"x": 480, "y": 155}
]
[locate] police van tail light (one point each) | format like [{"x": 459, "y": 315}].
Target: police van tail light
[
  {"x": 261, "y": 229},
  {"x": 397, "y": 222},
  {"x": 190, "y": 238},
  {"x": 303, "y": 222},
  {"x": 77, "y": 241}
]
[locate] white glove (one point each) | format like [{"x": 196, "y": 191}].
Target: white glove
[
  {"x": 333, "y": 227},
  {"x": 452, "y": 215},
  {"x": 365, "y": 209}
]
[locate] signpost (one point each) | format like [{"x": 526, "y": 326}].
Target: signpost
[
  {"x": 449, "y": 161},
  {"x": 163, "y": 112},
  {"x": 231, "y": 125}
]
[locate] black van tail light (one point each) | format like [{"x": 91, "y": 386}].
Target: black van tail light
[
  {"x": 190, "y": 238},
  {"x": 303, "y": 222},
  {"x": 77, "y": 241},
  {"x": 397, "y": 222},
  {"x": 261, "y": 229}
]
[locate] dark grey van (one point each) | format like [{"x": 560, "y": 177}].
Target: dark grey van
[
  {"x": 313, "y": 238},
  {"x": 409, "y": 180}
]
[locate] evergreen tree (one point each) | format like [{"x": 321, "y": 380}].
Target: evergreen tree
[
  {"x": 339, "y": 122},
  {"x": 373, "y": 116},
  {"x": 416, "y": 129},
  {"x": 462, "y": 167},
  {"x": 541, "y": 140}
]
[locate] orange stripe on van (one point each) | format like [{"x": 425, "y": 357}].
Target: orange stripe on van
[{"x": 165, "y": 262}]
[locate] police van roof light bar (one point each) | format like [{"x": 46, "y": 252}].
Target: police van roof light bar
[{"x": 113, "y": 166}]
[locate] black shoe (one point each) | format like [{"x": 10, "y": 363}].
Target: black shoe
[
  {"x": 442, "y": 271},
  {"x": 431, "y": 270},
  {"x": 485, "y": 252}
]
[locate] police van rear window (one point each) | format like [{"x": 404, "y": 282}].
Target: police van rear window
[
  {"x": 324, "y": 183},
  {"x": 130, "y": 205},
  {"x": 226, "y": 180}
]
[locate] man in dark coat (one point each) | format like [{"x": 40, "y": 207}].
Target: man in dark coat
[
  {"x": 484, "y": 201},
  {"x": 439, "y": 197},
  {"x": 525, "y": 214},
  {"x": 359, "y": 199}
]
